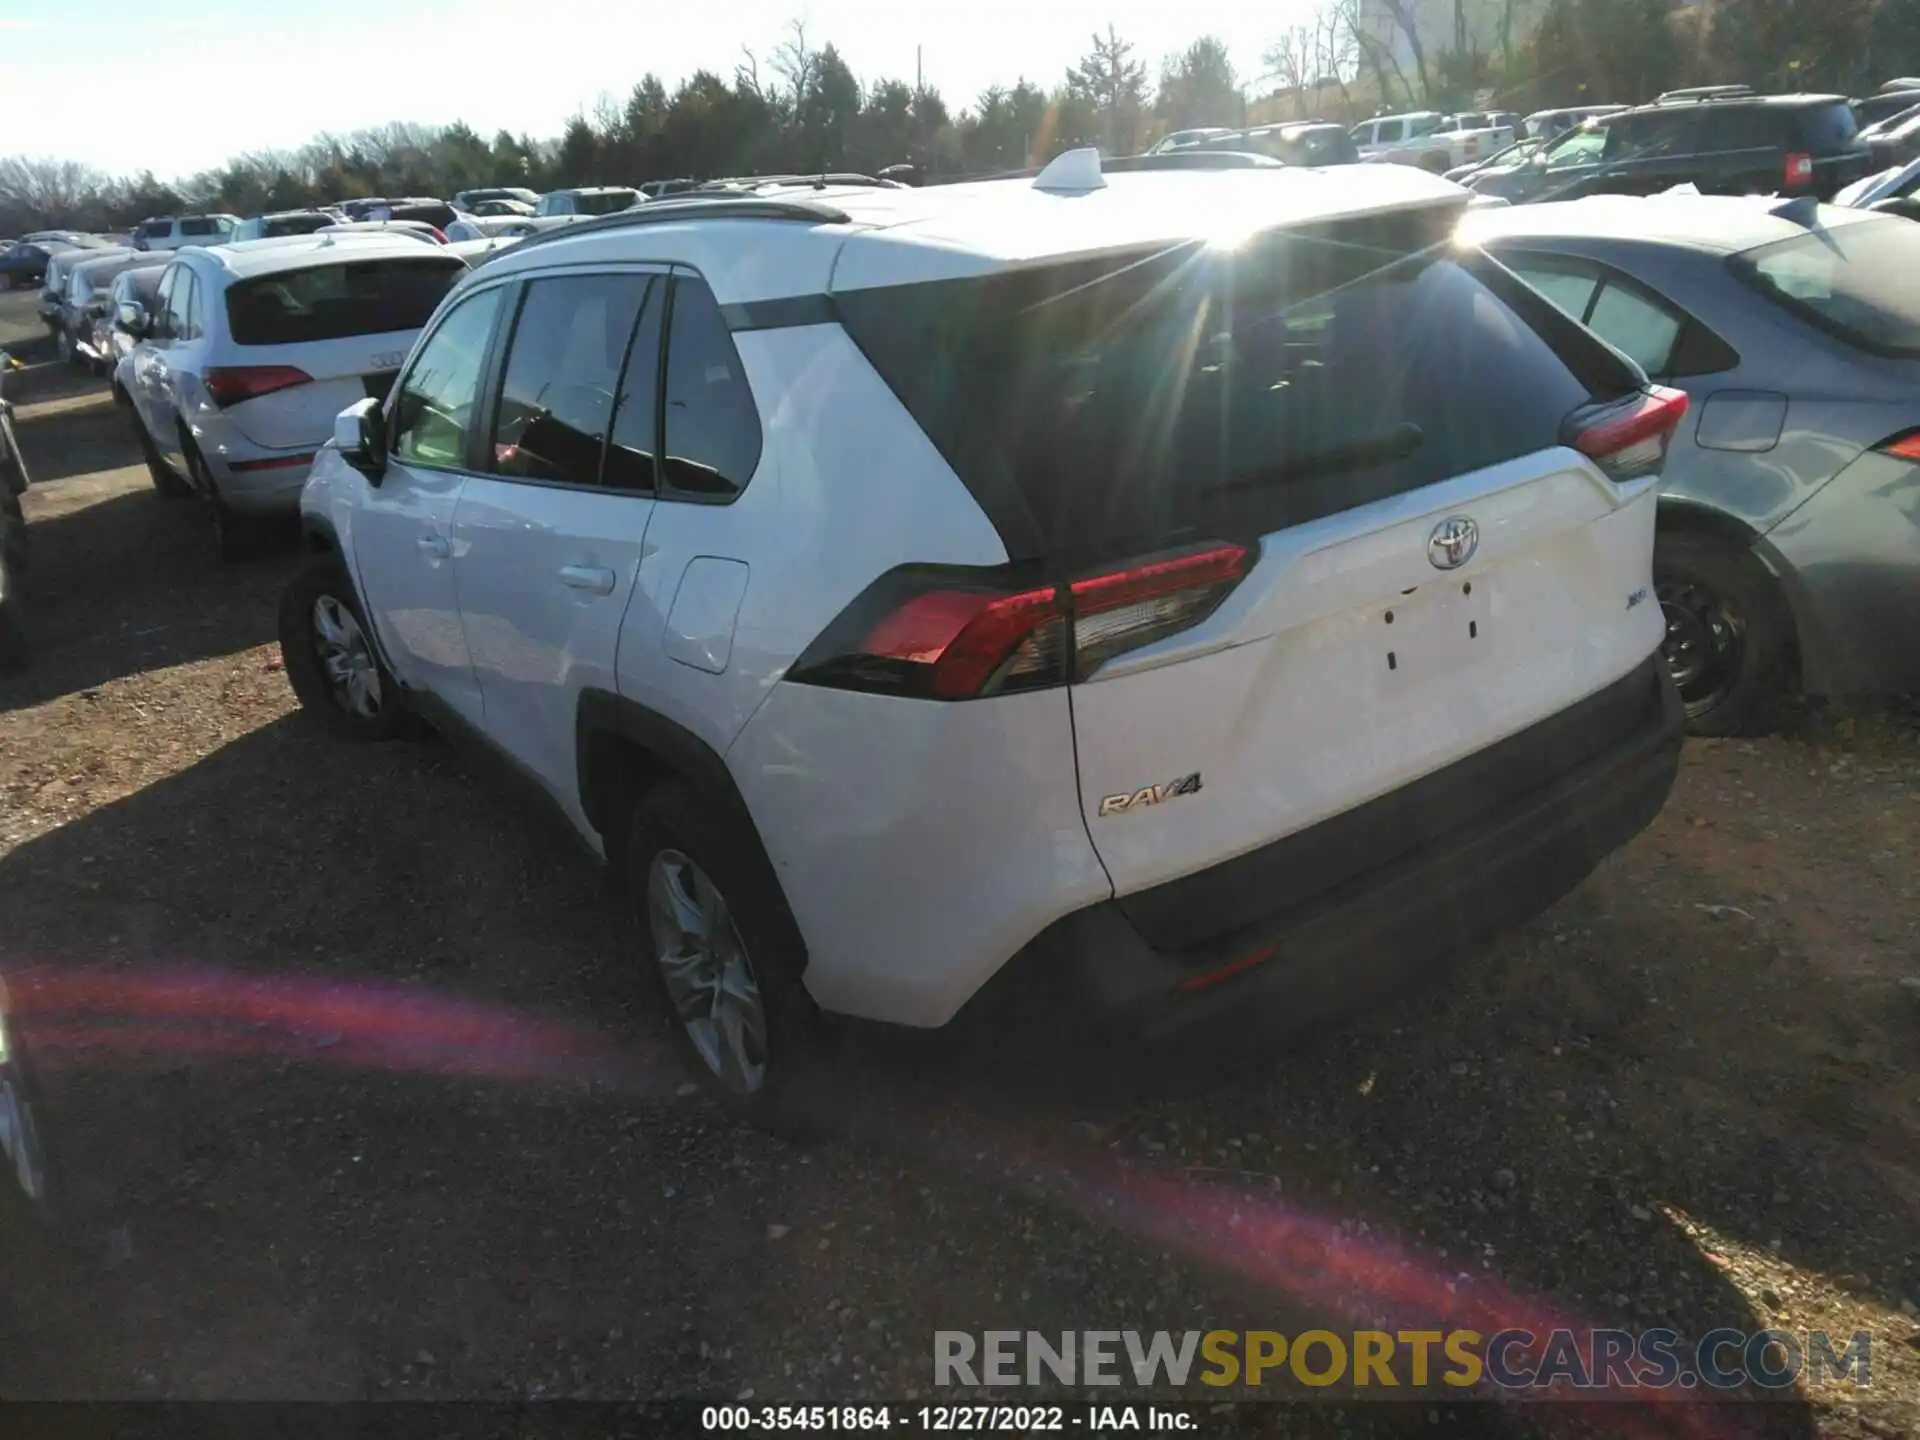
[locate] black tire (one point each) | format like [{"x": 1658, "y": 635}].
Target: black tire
[
  {"x": 235, "y": 536},
  {"x": 1729, "y": 634},
  {"x": 673, "y": 819},
  {"x": 324, "y": 579},
  {"x": 165, "y": 479}
]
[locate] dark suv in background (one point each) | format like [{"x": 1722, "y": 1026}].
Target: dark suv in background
[{"x": 1738, "y": 144}]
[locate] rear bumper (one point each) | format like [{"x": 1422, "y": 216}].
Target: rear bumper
[{"x": 1318, "y": 953}]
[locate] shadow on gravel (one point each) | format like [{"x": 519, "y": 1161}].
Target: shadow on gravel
[
  {"x": 128, "y": 584},
  {"x": 284, "y": 1197}
]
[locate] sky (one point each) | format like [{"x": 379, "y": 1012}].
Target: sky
[{"x": 177, "y": 86}]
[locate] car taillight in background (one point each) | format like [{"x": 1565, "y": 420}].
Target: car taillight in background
[
  {"x": 1799, "y": 168},
  {"x": 1628, "y": 439},
  {"x": 934, "y": 635},
  {"x": 1902, "y": 447},
  {"x": 230, "y": 384}
]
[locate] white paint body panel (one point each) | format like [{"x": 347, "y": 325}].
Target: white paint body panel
[
  {"x": 1284, "y": 699},
  {"x": 920, "y": 844},
  {"x": 544, "y": 573},
  {"x": 847, "y": 488}
]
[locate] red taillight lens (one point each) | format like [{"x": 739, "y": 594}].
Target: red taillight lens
[
  {"x": 1629, "y": 439},
  {"x": 1799, "y": 168},
  {"x": 230, "y": 384},
  {"x": 1902, "y": 447},
  {"x": 438, "y": 233},
  {"x": 964, "y": 638},
  {"x": 944, "y": 639}
]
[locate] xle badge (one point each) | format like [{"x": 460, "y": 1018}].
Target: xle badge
[{"x": 1152, "y": 795}]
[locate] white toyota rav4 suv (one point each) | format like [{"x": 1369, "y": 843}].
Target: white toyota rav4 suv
[{"x": 1177, "y": 587}]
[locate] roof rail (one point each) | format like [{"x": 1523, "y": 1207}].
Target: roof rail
[
  {"x": 696, "y": 207},
  {"x": 1703, "y": 92}
]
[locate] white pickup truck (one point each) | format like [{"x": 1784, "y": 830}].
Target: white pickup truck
[{"x": 1434, "y": 141}]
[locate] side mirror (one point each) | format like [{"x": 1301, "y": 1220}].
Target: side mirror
[
  {"x": 360, "y": 435},
  {"x": 132, "y": 318}
]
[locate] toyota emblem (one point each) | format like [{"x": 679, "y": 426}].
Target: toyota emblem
[{"x": 1453, "y": 542}]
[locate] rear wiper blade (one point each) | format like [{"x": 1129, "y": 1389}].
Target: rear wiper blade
[{"x": 1396, "y": 443}]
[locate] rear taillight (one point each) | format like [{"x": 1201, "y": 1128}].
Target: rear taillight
[
  {"x": 1628, "y": 439},
  {"x": 1799, "y": 168},
  {"x": 934, "y": 635},
  {"x": 438, "y": 233},
  {"x": 1902, "y": 447},
  {"x": 230, "y": 384}
]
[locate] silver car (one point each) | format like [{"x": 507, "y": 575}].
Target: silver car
[
  {"x": 1789, "y": 547},
  {"x": 86, "y": 302}
]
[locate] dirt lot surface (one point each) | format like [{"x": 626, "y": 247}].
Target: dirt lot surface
[{"x": 349, "y": 1073}]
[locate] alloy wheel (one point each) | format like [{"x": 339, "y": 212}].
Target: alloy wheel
[
  {"x": 346, "y": 659},
  {"x": 1704, "y": 645},
  {"x": 709, "y": 978}
]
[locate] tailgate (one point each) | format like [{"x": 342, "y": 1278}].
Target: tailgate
[
  {"x": 1348, "y": 664},
  {"x": 341, "y": 371}
]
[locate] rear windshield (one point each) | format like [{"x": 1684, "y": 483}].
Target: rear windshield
[
  {"x": 1853, "y": 280},
  {"x": 1139, "y": 400},
  {"x": 605, "y": 202},
  {"x": 332, "y": 302},
  {"x": 293, "y": 224}
]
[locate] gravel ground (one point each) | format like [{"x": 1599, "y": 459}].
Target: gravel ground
[{"x": 348, "y": 1072}]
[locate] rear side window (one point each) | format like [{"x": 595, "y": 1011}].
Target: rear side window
[
  {"x": 563, "y": 370},
  {"x": 1855, "y": 281},
  {"x": 1746, "y": 129},
  {"x": 712, "y": 428},
  {"x": 334, "y": 302},
  {"x": 1130, "y": 403},
  {"x": 200, "y": 226},
  {"x": 1827, "y": 128}
]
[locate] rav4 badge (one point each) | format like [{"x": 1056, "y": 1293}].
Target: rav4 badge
[{"x": 1152, "y": 795}]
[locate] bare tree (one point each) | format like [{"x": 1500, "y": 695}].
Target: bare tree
[
  {"x": 55, "y": 192},
  {"x": 796, "y": 63},
  {"x": 1291, "y": 60}
]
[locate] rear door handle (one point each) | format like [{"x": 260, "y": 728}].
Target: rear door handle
[
  {"x": 435, "y": 547},
  {"x": 590, "y": 578}
]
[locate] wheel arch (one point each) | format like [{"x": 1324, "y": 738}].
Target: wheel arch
[
  {"x": 623, "y": 749},
  {"x": 1677, "y": 516}
]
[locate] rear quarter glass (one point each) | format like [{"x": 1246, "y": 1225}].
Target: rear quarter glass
[
  {"x": 1825, "y": 129},
  {"x": 1120, "y": 406}
]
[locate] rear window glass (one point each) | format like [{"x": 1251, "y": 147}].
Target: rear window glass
[
  {"x": 199, "y": 227},
  {"x": 605, "y": 203},
  {"x": 331, "y": 302},
  {"x": 1829, "y": 127},
  {"x": 1142, "y": 400},
  {"x": 294, "y": 225},
  {"x": 1853, "y": 280}
]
